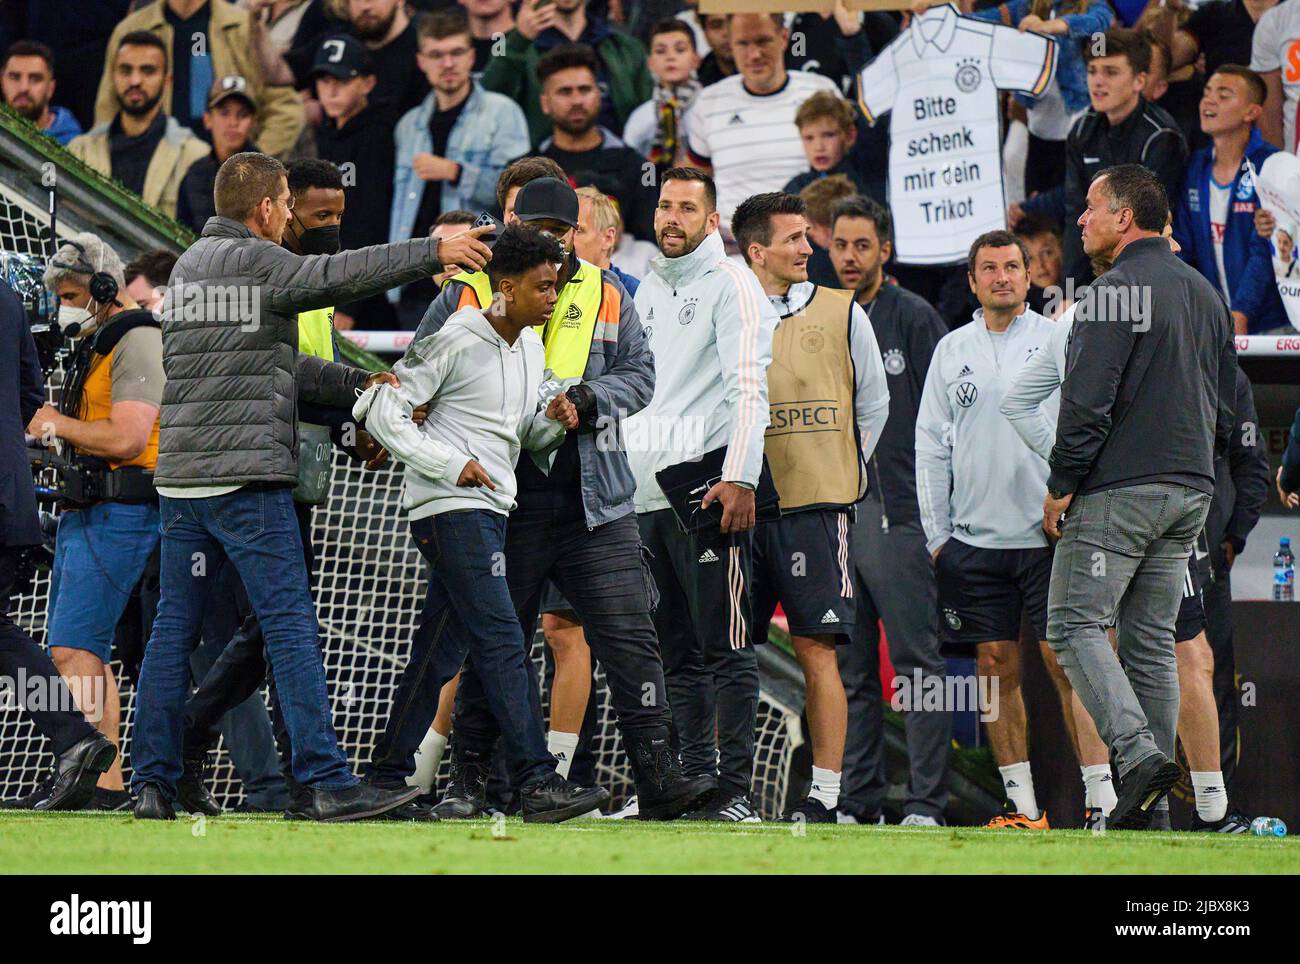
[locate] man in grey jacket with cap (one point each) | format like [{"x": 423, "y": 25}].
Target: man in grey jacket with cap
[{"x": 227, "y": 465}]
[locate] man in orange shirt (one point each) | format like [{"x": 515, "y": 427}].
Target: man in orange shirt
[{"x": 107, "y": 423}]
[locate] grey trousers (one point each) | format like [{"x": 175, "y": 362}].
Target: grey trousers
[
  {"x": 1122, "y": 559},
  {"x": 895, "y": 585}
]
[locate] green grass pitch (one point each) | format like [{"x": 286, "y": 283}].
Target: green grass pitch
[{"x": 88, "y": 844}]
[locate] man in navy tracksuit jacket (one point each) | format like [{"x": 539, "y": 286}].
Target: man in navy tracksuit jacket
[{"x": 1247, "y": 258}]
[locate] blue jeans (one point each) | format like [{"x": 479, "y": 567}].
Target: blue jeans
[
  {"x": 99, "y": 556},
  {"x": 467, "y": 611},
  {"x": 255, "y": 529}
]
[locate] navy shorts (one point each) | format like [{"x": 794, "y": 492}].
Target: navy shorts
[
  {"x": 1191, "y": 610},
  {"x": 553, "y": 601},
  {"x": 983, "y": 593},
  {"x": 803, "y": 561}
]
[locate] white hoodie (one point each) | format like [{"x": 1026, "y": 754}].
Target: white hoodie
[
  {"x": 484, "y": 405},
  {"x": 710, "y": 327}
]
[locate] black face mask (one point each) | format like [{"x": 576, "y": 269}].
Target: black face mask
[{"x": 322, "y": 240}]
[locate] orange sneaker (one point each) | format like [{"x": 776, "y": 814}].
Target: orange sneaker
[{"x": 1012, "y": 819}]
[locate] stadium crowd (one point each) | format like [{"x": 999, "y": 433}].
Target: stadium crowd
[{"x": 598, "y": 217}]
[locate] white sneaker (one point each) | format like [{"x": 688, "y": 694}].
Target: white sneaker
[
  {"x": 848, "y": 818},
  {"x": 628, "y": 811},
  {"x": 919, "y": 820}
]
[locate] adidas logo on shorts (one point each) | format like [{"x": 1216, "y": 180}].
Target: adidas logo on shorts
[
  {"x": 708, "y": 556},
  {"x": 830, "y": 617}
]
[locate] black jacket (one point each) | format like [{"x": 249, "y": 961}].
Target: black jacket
[
  {"x": 1150, "y": 379},
  {"x": 363, "y": 148},
  {"x": 1148, "y": 136},
  {"x": 22, "y": 392},
  {"x": 1241, "y": 478},
  {"x": 907, "y": 329}
]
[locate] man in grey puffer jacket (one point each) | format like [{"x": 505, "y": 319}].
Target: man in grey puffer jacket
[{"x": 227, "y": 464}]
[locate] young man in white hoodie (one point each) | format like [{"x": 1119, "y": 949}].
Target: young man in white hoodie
[
  {"x": 828, "y": 401},
  {"x": 710, "y": 327},
  {"x": 482, "y": 376}
]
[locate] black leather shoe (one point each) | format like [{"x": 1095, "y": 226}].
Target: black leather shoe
[
  {"x": 76, "y": 771},
  {"x": 150, "y": 804},
  {"x": 192, "y": 791},
  {"x": 353, "y": 803},
  {"x": 467, "y": 789},
  {"x": 812, "y": 811},
  {"x": 554, "y": 799},
  {"x": 1139, "y": 791},
  {"x": 663, "y": 791},
  {"x": 413, "y": 812}
]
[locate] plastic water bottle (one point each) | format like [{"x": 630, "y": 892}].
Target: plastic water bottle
[
  {"x": 1284, "y": 572},
  {"x": 1268, "y": 827}
]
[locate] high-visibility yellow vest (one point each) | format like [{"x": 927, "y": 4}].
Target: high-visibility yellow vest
[
  {"x": 316, "y": 333},
  {"x": 315, "y": 450},
  {"x": 587, "y": 310}
]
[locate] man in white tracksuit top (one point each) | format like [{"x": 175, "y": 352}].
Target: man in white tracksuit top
[
  {"x": 710, "y": 326},
  {"x": 481, "y": 374},
  {"x": 980, "y": 495}
]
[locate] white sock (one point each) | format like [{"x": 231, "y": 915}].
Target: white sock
[
  {"x": 427, "y": 758},
  {"x": 1019, "y": 784},
  {"x": 825, "y": 787},
  {"x": 1211, "y": 795},
  {"x": 1099, "y": 787},
  {"x": 562, "y": 747}
]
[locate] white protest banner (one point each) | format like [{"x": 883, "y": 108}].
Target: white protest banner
[
  {"x": 1278, "y": 185},
  {"x": 940, "y": 79}
]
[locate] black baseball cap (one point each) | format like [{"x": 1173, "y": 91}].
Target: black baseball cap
[
  {"x": 342, "y": 56},
  {"x": 547, "y": 199},
  {"x": 232, "y": 85}
]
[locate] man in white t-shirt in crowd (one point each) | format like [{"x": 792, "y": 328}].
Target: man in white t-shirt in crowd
[
  {"x": 1275, "y": 55},
  {"x": 742, "y": 128}
]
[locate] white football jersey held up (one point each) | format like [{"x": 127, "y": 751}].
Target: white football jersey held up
[
  {"x": 975, "y": 478},
  {"x": 940, "y": 78}
]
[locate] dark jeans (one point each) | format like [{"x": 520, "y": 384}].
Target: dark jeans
[
  {"x": 604, "y": 575},
  {"x": 233, "y": 678},
  {"x": 22, "y": 660},
  {"x": 467, "y": 612},
  {"x": 255, "y": 529}
]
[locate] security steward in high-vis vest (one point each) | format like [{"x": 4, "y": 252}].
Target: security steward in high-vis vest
[
  {"x": 828, "y": 402},
  {"x": 107, "y": 422},
  {"x": 574, "y": 523},
  {"x": 241, "y": 669}
]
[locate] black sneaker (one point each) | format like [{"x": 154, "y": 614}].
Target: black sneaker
[
  {"x": 554, "y": 799},
  {"x": 1140, "y": 790},
  {"x": 1094, "y": 819},
  {"x": 112, "y": 800},
  {"x": 192, "y": 791},
  {"x": 28, "y": 802},
  {"x": 812, "y": 811},
  {"x": 1232, "y": 822},
  {"x": 467, "y": 789},
  {"x": 726, "y": 806},
  {"x": 356, "y": 802},
  {"x": 663, "y": 791}
]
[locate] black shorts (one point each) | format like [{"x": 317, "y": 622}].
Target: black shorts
[
  {"x": 553, "y": 601},
  {"x": 803, "y": 561},
  {"x": 1191, "y": 610},
  {"x": 983, "y": 592}
]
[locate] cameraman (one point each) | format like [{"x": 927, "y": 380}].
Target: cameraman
[
  {"x": 107, "y": 420},
  {"x": 81, "y": 753}
]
